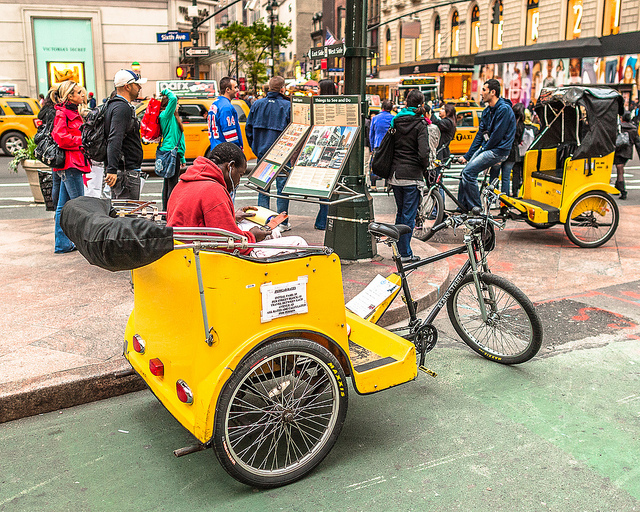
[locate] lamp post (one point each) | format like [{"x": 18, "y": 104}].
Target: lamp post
[{"x": 273, "y": 19}]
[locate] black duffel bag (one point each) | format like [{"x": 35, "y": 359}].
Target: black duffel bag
[{"x": 383, "y": 156}]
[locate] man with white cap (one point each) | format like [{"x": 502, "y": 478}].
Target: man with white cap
[{"x": 124, "y": 146}]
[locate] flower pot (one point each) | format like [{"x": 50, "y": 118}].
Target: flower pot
[{"x": 31, "y": 167}]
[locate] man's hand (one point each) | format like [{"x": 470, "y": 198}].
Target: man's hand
[
  {"x": 260, "y": 232},
  {"x": 244, "y": 212},
  {"x": 462, "y": 160},
  {"x": 110, "y": 179}
]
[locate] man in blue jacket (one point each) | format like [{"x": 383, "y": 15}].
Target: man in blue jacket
[
  {"x": 491, "y": 144},
  {"x": 380, "y": 124},
  {"x": 222, "y": 119},
  {"x": 267, "y": 120}
]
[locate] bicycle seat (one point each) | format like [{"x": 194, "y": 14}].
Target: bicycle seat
[{"x": 392, "y": 231}]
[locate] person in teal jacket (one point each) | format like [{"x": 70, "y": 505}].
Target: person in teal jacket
[{"x": 171, "y": 149}]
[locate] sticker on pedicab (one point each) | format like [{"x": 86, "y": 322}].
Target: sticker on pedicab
[
  {"x": 284, "y": 299},
  {"x": 376, "y": 292}
]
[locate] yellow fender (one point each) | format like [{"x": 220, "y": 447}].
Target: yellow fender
[{"x": 598, "y": 187}]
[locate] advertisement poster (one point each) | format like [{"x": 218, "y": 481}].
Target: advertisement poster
[
  {"x": 321, "y": 160},
  {"x": 523, "y": 81},
  {"x": 8, "y": 89},
  {"x": 59, "y": 72},
  {"x": 189, "y": 88}
]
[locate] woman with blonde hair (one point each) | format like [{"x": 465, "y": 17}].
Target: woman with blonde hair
[{"x": 68, "y": 181}]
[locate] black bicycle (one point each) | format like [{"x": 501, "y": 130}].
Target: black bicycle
[{"x": 491, "y": 315}]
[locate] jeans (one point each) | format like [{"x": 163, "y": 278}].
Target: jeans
[
  {"x": 282, "y": 204},
  {"x": 611, "y": 67},
  {"x": 70, "y": 186},
  {"x": 407, "y": 202},
  {"x": 468, "y": 193},
  {"x": 128, "y": 185},
  {"x": 321, "y": 218},
  {"x": 505, "y": 167}
]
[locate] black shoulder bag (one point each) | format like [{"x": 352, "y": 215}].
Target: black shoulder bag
[{"x": 383, "y": 156}]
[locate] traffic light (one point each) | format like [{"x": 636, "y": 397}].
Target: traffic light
[
  {"x": 242, "y": 83},
  {"x": 181, "y": 72}
]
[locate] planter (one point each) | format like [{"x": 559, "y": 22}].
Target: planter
[{"x": 31, "y": 167}]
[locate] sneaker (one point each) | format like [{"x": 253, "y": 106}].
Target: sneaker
[
  {"x": 410, "y": 259},
  {"x": 285, "y": 227}
]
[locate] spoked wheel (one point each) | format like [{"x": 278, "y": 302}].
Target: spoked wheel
[
  {"x": 280, "y": 413},
  {"x": 512, "y": 332},
  {"x": 592, "y": 220},
  {"x": 430, "y": 213}
]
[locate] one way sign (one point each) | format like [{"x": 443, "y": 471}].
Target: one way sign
[{"x": 197, "y": 51}]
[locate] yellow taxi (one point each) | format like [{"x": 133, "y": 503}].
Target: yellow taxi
[
  {"x": 467, "y": 122},
  {"x": 193, "y": 112},
  {"x": 18, "y": 121}
]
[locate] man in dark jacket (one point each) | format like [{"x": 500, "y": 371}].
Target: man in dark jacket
[
  {"x": 267, "y": 120},
  {"x": 491, "y": 144},
  {"x": 124, "y": 146}
]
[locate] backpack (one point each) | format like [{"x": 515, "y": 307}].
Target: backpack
[
  {"x": 528, "y": 136},
  {"x": 94, "y": 138},
  {"x": 150, "y": 125},
  {"x": 47, "y": 150}
]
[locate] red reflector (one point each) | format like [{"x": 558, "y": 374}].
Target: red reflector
[
  {"x": 37, "y": 122},
  {"x": 532, "y": 213},
  {"x": 156, "y": 367},
  {"x": 138, "y": 344},
  {"x": 184, "y": 393}
]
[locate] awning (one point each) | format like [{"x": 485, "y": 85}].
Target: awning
[
  {"x": 214, "y": 57},
  {"x": 587, "y": 47}
]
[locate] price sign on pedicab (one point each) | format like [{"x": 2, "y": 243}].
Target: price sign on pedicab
[
  {"x": 327, "y": 147},
  {"x": 286, "y": 145}
]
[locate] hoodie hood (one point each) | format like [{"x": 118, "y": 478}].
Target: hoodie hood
[
  {"x": 406, "y": 124},
  {"x": 204, "y": 169}
]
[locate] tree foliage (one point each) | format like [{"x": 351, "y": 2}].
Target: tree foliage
[{"x": 252, "y": 45}]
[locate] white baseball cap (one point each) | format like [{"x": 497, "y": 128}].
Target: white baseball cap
[{"x": 126, "y": 76}]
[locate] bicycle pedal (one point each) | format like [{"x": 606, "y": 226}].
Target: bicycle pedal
[{"x": 427, "y": 371}]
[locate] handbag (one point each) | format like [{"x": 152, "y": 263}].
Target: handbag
[
  {"x": 166, "y": 163},
  {"x": 150, "y": 130},
  {"x": 383, "y": 156},
  {"x": 622, "y": 140}
]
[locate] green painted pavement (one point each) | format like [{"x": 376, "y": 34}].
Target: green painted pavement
[{"x": 558, "y": 433}]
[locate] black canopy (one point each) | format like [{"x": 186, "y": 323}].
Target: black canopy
[
  {"x": 586, "y": 117},
  {"x": 111, "y": 242}
]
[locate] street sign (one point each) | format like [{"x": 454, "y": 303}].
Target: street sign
[
  {"x": 325, "y": 52},
  {"x": 173, "y": 36},
  {"x": 197, "y": 51}
]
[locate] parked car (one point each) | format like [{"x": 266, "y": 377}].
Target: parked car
[
  {"x": 468, "y": 120},
  {"x": 193, "y": 112},
  {"x": 18, "y": 121}
]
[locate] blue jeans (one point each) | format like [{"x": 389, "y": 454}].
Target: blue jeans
[
  {"x": 282, "y": 204},
  {"x": 505, "y": 167},
  {"x": 69, "y": 186},
  {"x": 407, "y": 202},
  {"x": 468, "y": 193},
  {"x": 321, "y": 218}
]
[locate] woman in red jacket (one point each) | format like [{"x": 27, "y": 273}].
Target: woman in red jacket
[{"x": 68, "y": 181}]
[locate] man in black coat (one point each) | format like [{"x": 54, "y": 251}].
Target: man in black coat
[{"x": 124, "y": 146}]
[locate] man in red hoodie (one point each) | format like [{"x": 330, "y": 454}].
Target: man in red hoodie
[{"x": 202, "y": 197}]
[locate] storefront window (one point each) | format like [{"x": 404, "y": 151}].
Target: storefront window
[
  {"x": 455, "y": 34},
  {"x": 533, "y": 21},
  {"x": 387, "y": 48},
  {"x": 611, "y": 22},
  {"x": 475, "y": 29},
  {"x": 496, "y": 22},
  {"x": 437, "y": 39},
  {"x": 574, "y": 19}
]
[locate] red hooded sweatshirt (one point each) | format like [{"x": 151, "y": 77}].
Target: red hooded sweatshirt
[{"x": 201, "y": 199}]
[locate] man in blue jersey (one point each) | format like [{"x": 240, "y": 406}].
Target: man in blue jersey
[{"x": 222, "y": 119}]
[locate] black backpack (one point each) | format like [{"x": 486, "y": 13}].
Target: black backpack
[
  {"x": 47, "y": 150},
  {"x": 94, "y": 138}
]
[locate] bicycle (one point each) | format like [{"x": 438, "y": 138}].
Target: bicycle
[
  {"x": 491, "y": 315},
  {"x": 432, "y": 209}
]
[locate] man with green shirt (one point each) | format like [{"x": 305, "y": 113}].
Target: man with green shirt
[{"x": 170, "y": 161}]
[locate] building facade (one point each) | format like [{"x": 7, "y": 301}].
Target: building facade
[{"x": 524, "y": 43}]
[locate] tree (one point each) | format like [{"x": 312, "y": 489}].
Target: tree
[{"x": 252, "y": 45}]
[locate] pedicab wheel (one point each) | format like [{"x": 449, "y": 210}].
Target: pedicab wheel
[
  {"x": 430, "y": 213},
  {"x": 511, "y": 334},
  {"x": 592, "y": 219},
  {"x": 540, "y": 225},
  {"x": 280, "y": 413}
]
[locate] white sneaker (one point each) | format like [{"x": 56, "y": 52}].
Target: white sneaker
[{"x": 285, "y": 227}]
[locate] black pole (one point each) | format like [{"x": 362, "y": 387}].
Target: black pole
[
  {"x": 194, "y": 37},
  {"x": 237, "y": 76}
]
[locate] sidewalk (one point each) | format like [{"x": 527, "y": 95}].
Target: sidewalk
[{"x": 64, "y": 320}]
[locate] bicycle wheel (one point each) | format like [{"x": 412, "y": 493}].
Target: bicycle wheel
[
  {"x": 592, "y": 219},
  {"x": 430, "y": 213},
  {"x": 280, "y": 413},
  {"x": 511, "y": 334}
]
